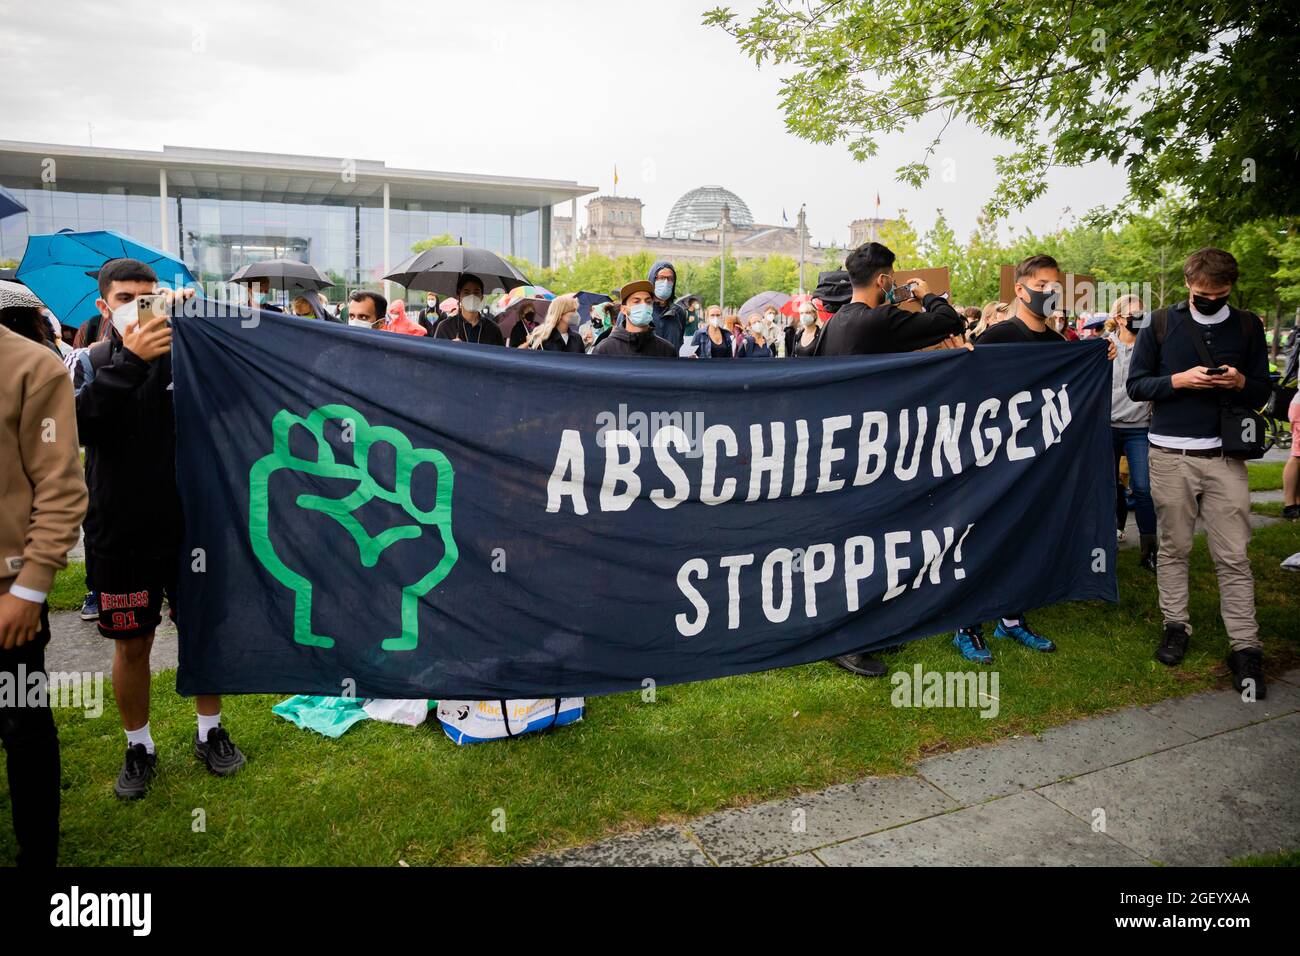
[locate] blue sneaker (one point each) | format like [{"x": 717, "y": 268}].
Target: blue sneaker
[
  {"x": 1022, "y": 633},
  {"x": 90, "y": 606},
  {"x": 970, "y": 641}
]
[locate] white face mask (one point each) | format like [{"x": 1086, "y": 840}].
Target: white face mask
[
  {"x": 124, "y": 315},
  {"x": 471, "y": 303},
  {"x": 359, "y": 323},
  {"x": 807, "y": 318},
  {"x": 715, "y": 320}
]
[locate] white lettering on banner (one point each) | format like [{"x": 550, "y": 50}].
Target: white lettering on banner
[
  {"x": 675, "y": 473},
  {"x": 938, "y": 561},
  {"x": 772, "y": 465},
  {"x": 727, "y": 473},
  {"x": 700, "y": 569},
  {"x": 713, "y": 435},
  {"x": 620, "y": 472},
  {"x": 569, "y": 462},
  {"x": 1014, "y": 451},
  {"x": 733, "y": 563},
  {"x": 831, "y": 454},
  {"x": 871, "y": 447}
]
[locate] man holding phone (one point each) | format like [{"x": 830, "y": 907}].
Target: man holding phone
[
  {"x": 1191, "y": 476},
  {"x": 133, "y": 526}
]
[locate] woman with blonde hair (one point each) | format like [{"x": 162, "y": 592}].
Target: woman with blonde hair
[
  {"x": 556, "y": 333},
  {"x": 992, "y": 313},
  {"x": 1129, "y": 424}
]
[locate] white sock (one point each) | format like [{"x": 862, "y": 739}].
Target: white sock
[
  {"x": 1011, "y": 622},
  {"x": 206, "y": 723},
  {"x": 141, "y": 736}
]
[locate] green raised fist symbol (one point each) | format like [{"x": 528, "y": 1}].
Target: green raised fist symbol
[{"x": 361, "y": 436}]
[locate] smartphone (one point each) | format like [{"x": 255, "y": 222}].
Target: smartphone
[
  {"x": 1217, "y": 370},
  {"x": 151, "y": 307}
]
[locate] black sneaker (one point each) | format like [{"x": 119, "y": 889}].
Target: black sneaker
[
  {"x": 1248, "y": 670},
  {"x": 218, "y": 753},
  {"x": 1149, "y": 552},
  {"x": 864, "y": 665},
  {"x": 138, "y": 771},
  {"x": 1291, "y": 512},
  {"x": 1173, "y": 648}
]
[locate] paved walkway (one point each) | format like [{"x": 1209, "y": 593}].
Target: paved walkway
[{"x": 1195, "y": 781}]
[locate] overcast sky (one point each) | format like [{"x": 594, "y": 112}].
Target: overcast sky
[{"x": 562, "y": 89}]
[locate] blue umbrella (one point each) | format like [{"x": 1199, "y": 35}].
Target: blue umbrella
[
  {"x": 9, "y": 204},
  {"x": 62, "y": 268},
  {"x": 586, "y": 300}
]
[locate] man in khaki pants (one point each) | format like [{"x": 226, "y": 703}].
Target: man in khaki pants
[{"x": 1190, "y": 475}]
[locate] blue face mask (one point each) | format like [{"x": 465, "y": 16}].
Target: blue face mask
[
  {"x": 641, "y": 314},
  {"x": 663, "y": 289}
]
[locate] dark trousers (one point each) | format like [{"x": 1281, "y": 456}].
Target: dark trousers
[
  {"x": 1131, "y": 443},
  {"x": 32, "y": 755}
]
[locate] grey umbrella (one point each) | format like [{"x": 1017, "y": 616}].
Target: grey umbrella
[
  {"x": 16, "y": 294},
  {"x": 759, "y": 302},
  {"x": 283, "y": 274},
  {"x": 437, "y": 269}
]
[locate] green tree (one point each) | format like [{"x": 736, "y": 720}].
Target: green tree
[
  {"x": 1194, "y": 99},
  {"x": 446, "y": 239}
]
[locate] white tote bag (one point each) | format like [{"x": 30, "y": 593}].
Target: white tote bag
[{"x": 476, "y": 721}]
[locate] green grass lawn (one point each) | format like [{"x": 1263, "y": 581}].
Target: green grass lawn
[
  {"x": 69, "y": 588},
  {"x": 384, "y": 793},
  {"x": 1271, "y": 508},
  {"x": 1265, "y": 475},
  {"x": 1284, "y": 858}
]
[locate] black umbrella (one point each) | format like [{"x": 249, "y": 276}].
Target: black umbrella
[
  {"x": 283, "y": 274},
  {"x": 436, "y": 270}
]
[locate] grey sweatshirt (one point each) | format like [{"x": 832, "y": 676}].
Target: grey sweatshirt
[{"x": 1124, "y": 412}]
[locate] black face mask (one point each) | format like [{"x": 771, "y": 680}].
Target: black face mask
[
  {"x": 1130, "y": 322},
  {"x": 1207, "y": 306},
  {"x": 1042, "y": 303}
]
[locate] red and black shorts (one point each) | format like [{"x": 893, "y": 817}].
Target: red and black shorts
[{"x": 131, "y": 592}]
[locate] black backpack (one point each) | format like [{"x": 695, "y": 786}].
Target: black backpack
[{"x": 834, "y": 290}]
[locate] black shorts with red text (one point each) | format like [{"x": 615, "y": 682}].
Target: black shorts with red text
[{"x": 131, "y": 592}]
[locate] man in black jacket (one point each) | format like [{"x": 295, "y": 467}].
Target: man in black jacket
[
  {"x": 871, "y": 324},
  {"x": 635, "y": 334},
  {"x": 670, "y": 317},
  {"x": 126, "y": 420},
  {"x": 1191, "y": 477}
]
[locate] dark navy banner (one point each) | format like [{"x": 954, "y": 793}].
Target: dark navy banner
[{"x": 391, "y": 516}]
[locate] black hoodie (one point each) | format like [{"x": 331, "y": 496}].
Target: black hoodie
[
  {"x": 670, "y": 318},
  {"x": 645, "y": 344}
]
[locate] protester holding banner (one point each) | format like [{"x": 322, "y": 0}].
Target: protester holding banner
[
  {"x": 367, "y": 310},
  {"x": 871, "y": 324},
  {"x": 1038, "y": 288},
  {"x": 1196, "y": 362},
  {"x": 42, "y": 504},
  {"x": 1128, "y": 429},
  {"x": 635, "y": 335},
  {"x": 468, "y": 325},
  {"x": 125, "y": 416}
]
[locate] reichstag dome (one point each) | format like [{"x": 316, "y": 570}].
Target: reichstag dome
[{"x": 701, "y": 209}]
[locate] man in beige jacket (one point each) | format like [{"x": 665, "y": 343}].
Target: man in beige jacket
[{"x": 42, "y": 502}]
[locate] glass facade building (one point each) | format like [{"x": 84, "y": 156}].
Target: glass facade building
[{"x": 222, "y": 209}]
